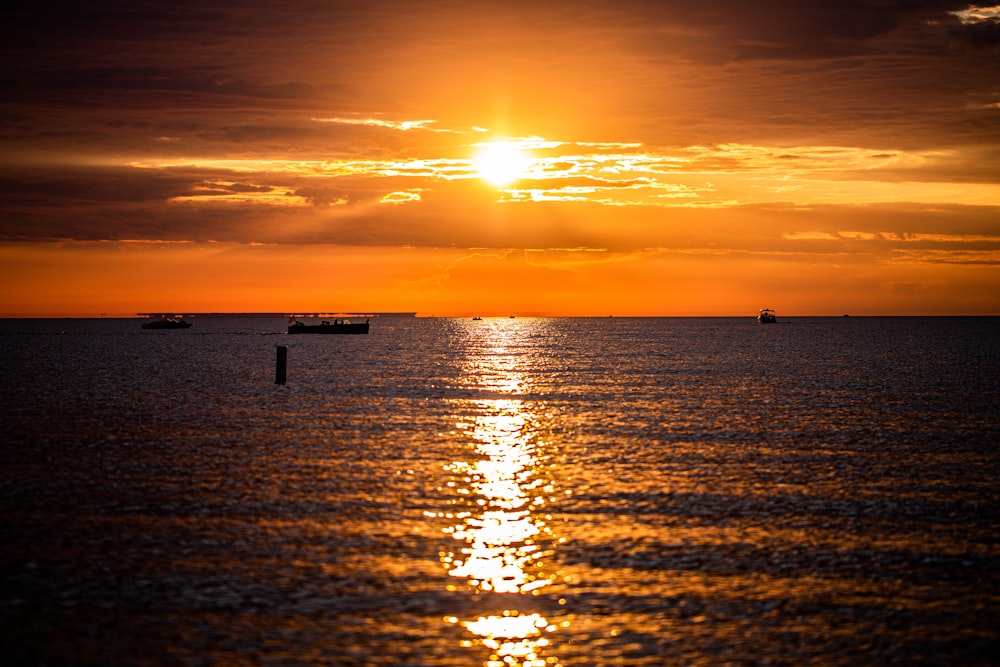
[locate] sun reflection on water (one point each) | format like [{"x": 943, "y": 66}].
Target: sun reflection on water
[
  {"x": 500, "y": 552},
  {"x": 501, "y": 492},
  {"x": 515, "y": 639}
]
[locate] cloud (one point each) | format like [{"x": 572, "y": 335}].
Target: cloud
[
  {"x": 399, "y": 125},
  {"x": 58, "y": 188}
]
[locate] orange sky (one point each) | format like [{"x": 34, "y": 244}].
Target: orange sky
[{"x": 667, "y": 158}]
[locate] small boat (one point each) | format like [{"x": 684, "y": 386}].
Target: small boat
[
  {"x": 324, "y": 327},
  {"x": 766, "y": 316},
  {"x": 477, "y": 319},
  {"x": 167, "y": 323}
]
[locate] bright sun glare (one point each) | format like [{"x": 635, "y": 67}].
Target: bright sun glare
[{"x": 500, "y": 163}]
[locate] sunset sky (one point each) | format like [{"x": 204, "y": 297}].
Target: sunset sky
[{"x": 678, "y": 157}]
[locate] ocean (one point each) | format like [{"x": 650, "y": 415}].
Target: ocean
[{"x": 501, "y": 492}]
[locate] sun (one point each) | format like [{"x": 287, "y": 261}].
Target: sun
[{"x": 500, "y": 163}]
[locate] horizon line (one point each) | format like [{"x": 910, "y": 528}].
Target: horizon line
[{"x": 460, "y": 315}]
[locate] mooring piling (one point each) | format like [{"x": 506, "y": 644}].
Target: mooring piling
[{"x": 280, "y": 370}]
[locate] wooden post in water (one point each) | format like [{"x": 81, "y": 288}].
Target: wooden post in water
[{"x": 282, "y": 365}]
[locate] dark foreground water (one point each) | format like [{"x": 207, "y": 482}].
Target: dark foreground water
[{"x": 507, "y": 492}]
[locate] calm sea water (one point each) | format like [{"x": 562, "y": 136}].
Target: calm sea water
[{"x": 502, "y": 492}]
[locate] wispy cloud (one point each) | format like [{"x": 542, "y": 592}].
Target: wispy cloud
[
  {"x": 973, "y": 15},
  {"x": 400, "y": 125}
]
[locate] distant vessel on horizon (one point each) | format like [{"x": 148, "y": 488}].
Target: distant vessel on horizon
[
  {"x": 766, "y": 316},
  {"x": 167, "y": 323},
  {"x": 328, "y": 313},
  {"x": 336, "y": 327}
]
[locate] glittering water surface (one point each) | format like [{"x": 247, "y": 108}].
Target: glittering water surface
[{"x": 501, "y": 492}]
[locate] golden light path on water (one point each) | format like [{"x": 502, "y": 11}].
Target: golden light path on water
[{"x": 503, "y": 545}]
